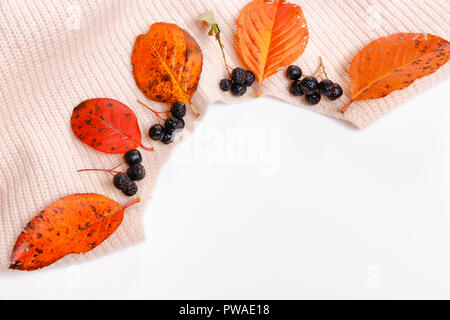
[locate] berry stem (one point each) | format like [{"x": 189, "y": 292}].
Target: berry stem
[
  {"x": 216, "y": 30},
  {"x": 323, "y": 67},
  {"x": 344, "y": 108},
  {"x": 102, "y": 170},
  {"x": 132, "y": 203},
  {"x": 317, "y": 70},
  {"x": 157, "y": 113},
  {"x": 118, "y": 166}
]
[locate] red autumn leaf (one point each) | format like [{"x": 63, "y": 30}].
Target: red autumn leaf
[
  {"x": 107, "y": 125},
  {"x": 72, "y": 225},
  {"x": 167, "y": 64},
  {"x": 394, "y": 63},
  {"x": 271, "y": 35}
]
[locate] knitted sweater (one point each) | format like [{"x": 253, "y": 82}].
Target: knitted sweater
[{"x": 56, "y": 53}]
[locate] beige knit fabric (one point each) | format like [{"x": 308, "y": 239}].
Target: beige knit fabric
[{"x": 57, "y": 53}]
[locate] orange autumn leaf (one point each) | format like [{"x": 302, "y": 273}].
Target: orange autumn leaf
[
  {"x": 167, "y": 64},
  {"x": 106, "y": 125},
  {"x": 271, "y": 35},
  {"x": 72, "y": 225},
  {"x": 394, "y": 63}
]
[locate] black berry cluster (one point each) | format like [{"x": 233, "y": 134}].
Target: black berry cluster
[
  {"x": 136, "y": 172},
  {"x": 311, "y": 87},
  {"x": 172, "y": 125},
  {"x": 240, "y": 80}
]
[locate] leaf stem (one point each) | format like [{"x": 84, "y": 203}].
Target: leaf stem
[
  {"x": 147, "y": 148},
  {"x": 258, "y": 91},
  {"x": 194, "y": 110},
  {"x": 344, "y": 108},
  {"x": 132, "y": 203}
]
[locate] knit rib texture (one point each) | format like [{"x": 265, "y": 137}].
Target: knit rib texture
[{"x": 55, "y": 54}]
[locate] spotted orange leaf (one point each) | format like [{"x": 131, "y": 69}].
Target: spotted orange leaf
[
  {"x": 271, "y": 35},
  {"x": 167, "y": 64},
  {"x": 107, "y": 125},
  {"x": 394, "y": 63},
  {"x": 72, "y": 225}
]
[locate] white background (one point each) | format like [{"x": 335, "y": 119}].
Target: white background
[{"x": 324, "y": 211}]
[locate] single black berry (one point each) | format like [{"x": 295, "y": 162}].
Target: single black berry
[
  {"x": 167, "y": 138},
  {"x": 131, "y": 189},
  {"x": 156, "y": 132},
  {"x": 121, "y": 181},
  {"x": 171, "y": 124},
  {"x": 296, "y": 89},
  {"x": 313, "y": 99},
  {"x": 238, "y": 76},
  {"x": 136, "y": 172},
  {"x": 336, "y": 93},
  {"x": 181, "y": 124},
  {"x": 294, "y": 73},
  {"x": 326, "y": 87},
  {"x": 238, "y": 90},
  {"x": 225, "y": 84},
  {"x": 309, "y": 85},
  {"x": 249, "y": 78},
  {"x": 133, "y": 157},
  {"x": 178, "y": 110}
]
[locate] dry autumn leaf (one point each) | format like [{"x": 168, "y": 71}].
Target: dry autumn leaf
[
  {"x": 167, "y": 64},
  {"x": 72, "y": 225},
  {"x": 395, "y": 62},
  {"x": 271, "y": 35},
  {"x": 106, "y": 125}
]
